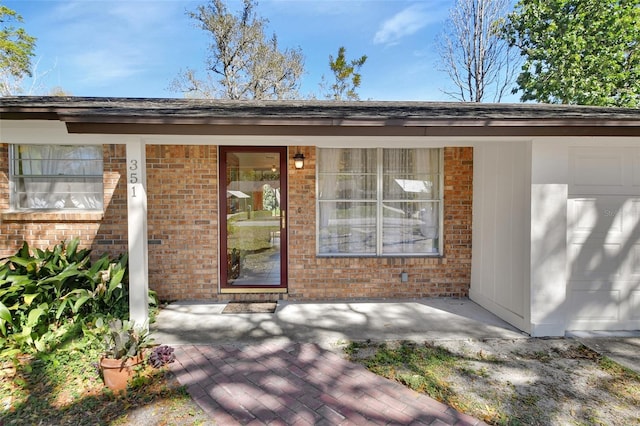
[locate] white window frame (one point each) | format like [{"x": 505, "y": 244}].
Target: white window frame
[
  {"x": 379, "y": 209},
  {"x": 15, "y": 176}
]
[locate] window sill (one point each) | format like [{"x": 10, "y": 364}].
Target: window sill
[
  {"x": 382, "y": 256},
  {"x": 51, "y": 216}
]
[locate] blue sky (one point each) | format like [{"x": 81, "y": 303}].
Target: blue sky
[{"x": 134, "y": 48}]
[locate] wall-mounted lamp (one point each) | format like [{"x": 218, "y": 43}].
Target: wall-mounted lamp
[
  {"x": 298, "y": 160},
  {"x": 273, "y": 168}
]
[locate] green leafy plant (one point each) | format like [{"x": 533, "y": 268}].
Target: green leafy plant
[
  {"x": 123, "y": 340},
  {"x": 44, "y": 292},
  {"x": 161, "y": 356}
]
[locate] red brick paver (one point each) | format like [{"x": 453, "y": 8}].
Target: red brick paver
[{"x": 300, "y": 384}]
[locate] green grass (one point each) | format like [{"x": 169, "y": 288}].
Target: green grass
[
  {"x": 423, "y": 368},
  {"x": 64, "y": 387},
  {"x": 252, "y": 238},
  {"x": 625, "y": 383},
  {"x": 434, "y": 370}
]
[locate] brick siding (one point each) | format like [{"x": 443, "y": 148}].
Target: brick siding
[
  {"x": 182, "y": 184},
  {"x": 312, "y": 277},
  {"x": 183, "y": 230},
  {"x": 102, "y": 232}
]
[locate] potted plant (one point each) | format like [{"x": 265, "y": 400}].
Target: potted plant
[{"x": 124, "y": 346}]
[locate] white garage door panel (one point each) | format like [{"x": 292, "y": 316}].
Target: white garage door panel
[
  {"x": 594, "y": 306},
  {"x": 596, "y": 167},
  {"x": 604, "y": 171},
  {"x": 635, "y": 304},
  {"x": 596, "y": 216},
  {"x": 594, "y": 260},
  {"x": 633, "y": 263},
  {"x": 603, "y": 239},
  {"x": 635, "y": 175}
]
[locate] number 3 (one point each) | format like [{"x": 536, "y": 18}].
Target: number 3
[{"x": 133, "y": 176}]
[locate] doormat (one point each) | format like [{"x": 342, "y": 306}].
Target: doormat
[{"x": 250, "y": 308}]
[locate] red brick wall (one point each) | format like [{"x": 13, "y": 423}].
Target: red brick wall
[
  {"x": 183, "y": 230},
  {"x": 182, "y": 184},
  {"x": 112, "y": 234},
  {"x": 103, "y": 233},
  {"x": 312, "y": 277}
]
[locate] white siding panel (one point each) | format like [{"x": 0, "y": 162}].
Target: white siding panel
[{"x": 499, "y": 277}]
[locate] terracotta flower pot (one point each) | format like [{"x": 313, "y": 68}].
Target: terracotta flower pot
[{"x": 117, "y": 372}]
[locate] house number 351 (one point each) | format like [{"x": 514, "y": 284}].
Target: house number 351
[{"x": 133, "y": 176}]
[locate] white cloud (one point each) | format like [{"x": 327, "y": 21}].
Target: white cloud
[
  {"x": 103, "y": 67},
  {"x": 105, "y": 44},
  {"x": 404, "y": 23}
]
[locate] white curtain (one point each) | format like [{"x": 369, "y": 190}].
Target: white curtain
[
  {"x": 347, "y": 194},
  {"x": 58, "y": 177},
  {"x": 411, "y": 200},
  {"x": 350, "y": 205}
]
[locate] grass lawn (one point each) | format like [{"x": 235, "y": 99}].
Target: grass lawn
[
  {"x": 65, "y": 388},
  {"x": 512, "y": 382}
]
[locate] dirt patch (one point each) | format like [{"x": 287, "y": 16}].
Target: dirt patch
[
  {"x": 529, "y": 381},
  {"x": 250, "y": 308}
]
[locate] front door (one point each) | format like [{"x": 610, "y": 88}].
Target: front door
[{"x": 253, "y": 212}]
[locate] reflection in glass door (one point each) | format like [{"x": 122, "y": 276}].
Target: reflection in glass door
[{"x": 253, "y": 218}]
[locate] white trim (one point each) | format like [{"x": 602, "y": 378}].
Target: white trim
[{"x": 137, "y": 233}]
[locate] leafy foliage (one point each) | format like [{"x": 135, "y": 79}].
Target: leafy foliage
[
  {"x": 16, "y": 50},
  {"x": 122, "y": 340},
  {"x": 347, "y": 77},
  {"x": 578, "y": 51},
  {"x": 161, "y": 356},
  {"x": 243, "y": 62},
  {"x": 43, "y": 293}
]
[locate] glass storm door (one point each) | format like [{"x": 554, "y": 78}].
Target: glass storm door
[{"x": 253, "y": 206}]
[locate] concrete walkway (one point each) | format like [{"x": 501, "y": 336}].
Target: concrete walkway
[
  {"x": 623, "y": 346},
  {"x": 331, "y": 324},
  {"x": 285, "y": 367}
]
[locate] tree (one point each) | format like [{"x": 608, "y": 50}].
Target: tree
[
  {"x": 578, "y": 51},
  {"x": 347, "y": 77},
  {"x": 59, "y": 91},
  {"x": 243, "y": 63},
  {"x": 16, "y": 50},
  {"x": 478, "y": 61}
]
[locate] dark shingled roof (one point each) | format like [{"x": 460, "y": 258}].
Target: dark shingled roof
[{"x": 156, "y": 111}]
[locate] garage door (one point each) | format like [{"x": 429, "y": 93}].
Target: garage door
[{"x": 603, "y": 244}]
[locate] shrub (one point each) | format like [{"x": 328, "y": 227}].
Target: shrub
[
  {"x": 122, "y": 340},
  {"x": 43, "y": 293}
]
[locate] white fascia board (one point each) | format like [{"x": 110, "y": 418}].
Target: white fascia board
[{"x": 44, "y": 132}]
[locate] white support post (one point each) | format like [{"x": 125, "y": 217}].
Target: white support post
[{"x": 137, "y": 236}]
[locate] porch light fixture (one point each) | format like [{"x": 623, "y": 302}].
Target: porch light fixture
[{"x": 298, "y": 160}]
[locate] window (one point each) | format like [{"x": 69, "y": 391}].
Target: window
[
  {"x": 56, "y": 177},
  {"x": 379, "y": 202}
]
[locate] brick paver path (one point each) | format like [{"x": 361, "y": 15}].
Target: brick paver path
[{"x": 299, "y": 384}]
